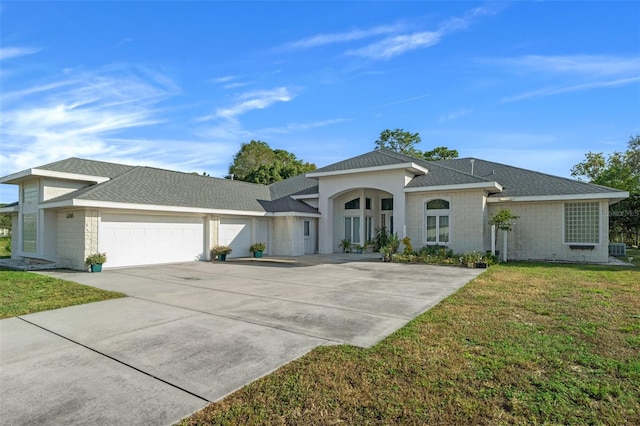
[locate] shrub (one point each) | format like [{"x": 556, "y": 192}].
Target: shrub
[
  {"x": 257, "y": 247},
  {"x": 96, "y": 259},
  {"x": 218, "y": 250}
]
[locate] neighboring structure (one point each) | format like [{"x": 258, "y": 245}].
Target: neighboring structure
[{"x": 141, "y": 215}]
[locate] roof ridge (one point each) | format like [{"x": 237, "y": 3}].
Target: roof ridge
[{"x": 84, "y": 159}]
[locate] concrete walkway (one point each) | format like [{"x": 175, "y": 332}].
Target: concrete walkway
[{"x": 192, "y": 333}]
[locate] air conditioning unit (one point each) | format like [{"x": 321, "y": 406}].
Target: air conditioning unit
[{"x": 617, "y": 249}]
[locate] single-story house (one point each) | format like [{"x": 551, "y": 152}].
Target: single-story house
[{"x": 143, "y": 215}]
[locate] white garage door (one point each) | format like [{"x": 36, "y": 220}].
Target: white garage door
[
  {"x": 235, "y": 233},
  {"x": 146, "y": 239}
]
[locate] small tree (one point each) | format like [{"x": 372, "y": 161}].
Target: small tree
[{"x": 502, "y": 220}]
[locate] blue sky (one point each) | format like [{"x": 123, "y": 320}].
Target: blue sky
[{"x": 181, "y": 85}]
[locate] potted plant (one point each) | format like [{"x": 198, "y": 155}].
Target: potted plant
[
  {"x": 220, "y": 252},
  {"x": 257, "y": 249},
  {"x": 358, "y": 248},
  {"x": 386, "y": 252},
  {"x": 95, "y": 261},
  {"x": 346, "y": 245}
]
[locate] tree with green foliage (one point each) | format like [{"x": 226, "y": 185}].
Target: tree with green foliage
[
  {"x": 256, "y": 162},
  {"x": 620, "y": 170},
  {"x": 404, "y": 142}
]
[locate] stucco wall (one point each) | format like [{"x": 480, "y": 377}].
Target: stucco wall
[
  {"x": 538, "y": 234},
  {"x": 77, "y": 237},
  {"x": 52, "y": 188},
  {"x": 288, "y": 239},
  {"x": 466, "y": 217}
]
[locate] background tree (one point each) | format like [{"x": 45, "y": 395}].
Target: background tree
[
  {"x": 404, "y": 142},
  {"x": 620, "y": 170},
  {"x": 256, "y": 162}
]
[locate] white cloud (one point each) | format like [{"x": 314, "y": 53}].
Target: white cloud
[
  {"x": 14, "y": 52},
  {"x": 258, "y": 99},
  {"x": 549, "y": 91},
  {"x": 397, "y": 45},
  {"x": 77, "y": 115},
  {"x": 454, "y": 115},
  {"x": 293, "y": 127},
  {"x": 325, "y": 39},
  {"x": 590, "y": 65}
]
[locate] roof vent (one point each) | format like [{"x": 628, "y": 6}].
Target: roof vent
[{"x": 472, "y": 161}]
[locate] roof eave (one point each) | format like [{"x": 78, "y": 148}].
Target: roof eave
[
  {"x": 10, "y": 209},
  {"x": 18, "y": 177},
  {"x": 613, "y": 197},
  {"x": 489, "y": 186}
]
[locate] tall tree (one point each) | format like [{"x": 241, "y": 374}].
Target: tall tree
[
  {"x": 620, "y": 170},
  {"x": 440, "y": 153},
  {"x": 399, "y": 140},
  {"x": 404, "y": 142},
  {"x": 256, "y": 162}
]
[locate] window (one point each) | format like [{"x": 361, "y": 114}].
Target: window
[
  {"x": 30, "y": 232},
  {"x": 367, "y": 203},
  {"x": 582, "y": 223},
  {"x": 307, "y": 231},
  {"x": 353, "y": 204},
  {"x": 436, "y": 222},
  {"x": 368, "y": 228},
  {"x": 386, "y": 204},
  {"x": 352, "y": 229}
]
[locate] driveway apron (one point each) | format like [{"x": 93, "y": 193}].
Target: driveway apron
[{"x": 192, "y": 333}]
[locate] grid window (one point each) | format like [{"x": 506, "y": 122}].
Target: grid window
[
  {"x": 582, "y": 223},
  {"x": 436, "y": 222},
  {"x": 29, "y": 232}
]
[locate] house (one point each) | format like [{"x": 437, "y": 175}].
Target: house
[{"x": 143, "y": 215}]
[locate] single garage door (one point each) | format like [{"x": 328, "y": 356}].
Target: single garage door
[
  {"x": 147, "y": 239},
  {"x": 235, "y": 233}
]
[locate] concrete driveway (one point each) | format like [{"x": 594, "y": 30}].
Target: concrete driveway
[{"x": 192, "y": 333}]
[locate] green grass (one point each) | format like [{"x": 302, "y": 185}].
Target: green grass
[
  {"x": 634, "y": 255},
  {"x": 5, "y": 247},
  {"x": 521, "y": 344},
  {"x": 23, "y": 293}
]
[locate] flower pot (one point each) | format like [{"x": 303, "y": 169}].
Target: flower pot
[
  {"x": 482, "y": 265},
  {"x": 257, "y": 253},
  {"x": 96, "y": 267},
  {"x": 222, "y": 257}
]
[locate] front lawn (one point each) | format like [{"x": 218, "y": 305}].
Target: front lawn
[
  {"x": 23, "y": 293},
  {"x": 521, "y": 344}
]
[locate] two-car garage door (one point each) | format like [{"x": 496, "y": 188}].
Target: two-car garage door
[{"x": 147, "y": 239}]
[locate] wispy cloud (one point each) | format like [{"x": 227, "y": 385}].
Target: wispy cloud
[
  {"x": 14, "y": 52},
  {"x": 294, "y": 127},
  {"x": 400, "y": 101},
  {"x": 343, "y": 37},
  {"x": 454, "y": 115},
  {"x": 573, "y": 64},
  {"x": 76, "y": 116},
  {"x": 572, "y": 73},
  {"x": 395, "y": 45},
  {"x": 549, "y": 91},
  {"x": 248, "y": 101}
]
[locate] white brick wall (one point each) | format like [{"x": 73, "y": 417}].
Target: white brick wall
[
  {"x": 77, "y": 237},
  {"x": 538, "y": 234},
  {"x": 466, "y": 217}
]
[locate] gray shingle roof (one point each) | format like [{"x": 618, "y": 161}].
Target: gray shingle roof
[
  {"x": 296, "y": 185},
  {"x": 87, "y": 167},
  {"x": 287, "y": 204},
  {"x": 522, "y": 182},
  {"x": 376, "y": 158}
]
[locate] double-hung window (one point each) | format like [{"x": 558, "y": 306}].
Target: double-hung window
[{"x": 436, "y": 220}]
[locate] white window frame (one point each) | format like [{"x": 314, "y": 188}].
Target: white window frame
[
  {"x": 353, "y": 228},
  {"x": 437, "y": 213},
  {"x": 599, "y": 224}
]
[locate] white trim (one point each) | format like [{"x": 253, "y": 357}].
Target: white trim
[
  {"x": 50, "y": 173},
  {"x": 568, "y": 197},
  {"x": 159, "y": 208},
  {"x": 437, "y": 213},
  {"x": 305, "y": 196},
  {"x": 459, "y": 187},
  {"x": 413, "y": 167}
]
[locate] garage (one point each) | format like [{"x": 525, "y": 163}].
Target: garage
[
  {"x": 149, "y": 239},
  {"x": 235, "y": 233}
]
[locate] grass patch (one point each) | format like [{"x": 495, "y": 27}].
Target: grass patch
[
  {"x": 633, "y": 257},
  {"x": 5, "y": 247},
  {"x": 521, "y": 344},
  {"x": 23, "y": 293}
]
